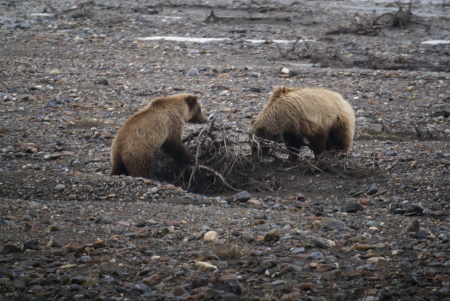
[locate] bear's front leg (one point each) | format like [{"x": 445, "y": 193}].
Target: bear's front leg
[
  {"x": 178, "y": 151},
  {"x": 293, "y": 144}
]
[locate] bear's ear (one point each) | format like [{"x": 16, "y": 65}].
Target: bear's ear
[
  {"x": 252, "y": 122},
  {"x": 191, "y": 100}
]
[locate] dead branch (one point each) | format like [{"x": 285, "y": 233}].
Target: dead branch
[
  {"x": 212, "y": 18},
  {"x": 280, "y": 147},
  {"x": 401, "y": 18},
  {"x": 219, "y": 176}
]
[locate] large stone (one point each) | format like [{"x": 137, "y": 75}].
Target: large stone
[
  {"x": 8, "y": 249},
  {"x": 150, "y": 281},
  {"x": 334, "y": 225}
]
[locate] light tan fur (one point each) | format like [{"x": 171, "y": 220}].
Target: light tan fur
[
  {"x": 318, "y": 115},
  {"x": 157, "y": 127}
]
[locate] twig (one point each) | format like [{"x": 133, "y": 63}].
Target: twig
[
  {"x": 212, "y": 18},
  {"x": 218, "y": 175},
  {"x": 279, "y": 147}
]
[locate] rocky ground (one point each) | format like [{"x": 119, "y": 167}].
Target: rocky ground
[{"x": 372, "y": 226}]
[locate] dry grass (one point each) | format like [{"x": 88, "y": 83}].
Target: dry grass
[{"x": 227, "y": 251}]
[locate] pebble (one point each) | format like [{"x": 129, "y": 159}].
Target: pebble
[
  {"x": 413, "y": 209},
  {"x": 151, "y": 280},
  {"x": 193, "y": 72},
  {"x": 211, "y": 236},
  {"x": 205, "y": 266},
  {"x": 421, "y": 234},
  {"x": 233, "y": 286},
  {"x": 413, "y": 226},
  {"x": 60, "y": 187},
  {"x": 318, "y": 243},
  {"x": 372, "y": 189},
  {"x": 8, "y": 249},
  {"x": 272, "y": 235},
  {"x": 351, "y": 207},
  {"x": 179, "y": 291},
  {"x": 104, "y": 220},
  {"x": 334, "y": 225},
  {"x": 229, "y": 297},
  {"x": 242, "y": 196},
  {"x": 315, "y": 255},
  {"x": 370, "y": 224},
  {"x": 32, "y": 244},
  {"x": 332, "y": 275}
]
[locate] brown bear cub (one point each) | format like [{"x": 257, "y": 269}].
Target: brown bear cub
[
  {"x": 158, "y": 126},
  {"x": 316, "y": 117}
]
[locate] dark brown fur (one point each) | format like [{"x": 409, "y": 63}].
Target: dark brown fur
[
  {"x": 157, "y": 127},
  {"x": 316, "y": 116}
]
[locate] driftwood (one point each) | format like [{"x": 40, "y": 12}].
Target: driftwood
[{"x": 401, "y": 18}]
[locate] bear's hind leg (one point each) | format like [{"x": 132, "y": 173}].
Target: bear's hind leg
[
  {"x": 117, "y": 167},
  {"x": 178, "y": 151},
  {"x": 341, "y": 137},
  {"x": 139, "y": 166}
]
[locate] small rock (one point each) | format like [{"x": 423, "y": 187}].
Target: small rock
[
  {"x": 372, "y": 189},
  {"x": 370, "y": 224},
  {"x": 52, "y": 156},
  {"x": 211, "y": 236},
  {"x": 242, "y": 196},
  {"x": 8, "y": 249},
  {"x": 99, "y": 244},
  {"x": 193, "y": 72},
  {"x": 54, "y": 243},
  {"x": 325, "y": 267},
  {"x": 32, "y": 244},
  {"x": 334, "y": 225},
  {"x": 421, "y": 234},
  {"x": 234, "y": 286},
  {"x": 193, "y": 52},
  {"x": 60, "y": 187},
  {"x": 315, "y": 255},
  {"x": 413, "y": 226},
  {"x": 413, "y": 209},
  {"x": 151, "y": 281},
  {"x": 375, "y": 259},
  {"x": 104, "y": 220},
  {"x": 351, "y": 207},
  {"x": 353, "y": 275},
  {"x": 307, "y": 287},
  {"x": 102, "y": 81},
  {"x": 85, "y": 259},
  {"x": 272, "y": 235},
  {"x": 267, "y": 264},
  {"x": 72, "y": 197},
  {"x": 298, "y": 250},
  {"x": 319, "y": 244},
  {"x": 229, "y": 297},
  {"x": 78, "y": 280},
  {"x": 201, "y": 265},
  {"x": 179, "y": 291},
  {"x": 332, "y": 275}
]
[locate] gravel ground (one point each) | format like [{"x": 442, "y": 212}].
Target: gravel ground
[{"x": 371, "y": 226}]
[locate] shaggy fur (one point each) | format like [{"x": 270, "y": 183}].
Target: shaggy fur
[
  {"x": 158, "y": 126},
  {"x": 321, "y": 117}
]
